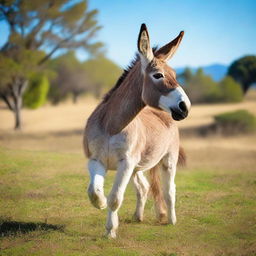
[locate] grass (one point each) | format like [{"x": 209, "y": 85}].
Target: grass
[{"x": 44, "y": 209}]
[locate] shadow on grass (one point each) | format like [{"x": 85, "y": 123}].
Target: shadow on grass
[{"x": 8, "y": 227}]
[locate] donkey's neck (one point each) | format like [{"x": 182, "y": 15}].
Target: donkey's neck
[{"x": 124, "y": 103}]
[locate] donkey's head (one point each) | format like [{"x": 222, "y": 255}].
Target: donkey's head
[{"x": 160, "y": 87}]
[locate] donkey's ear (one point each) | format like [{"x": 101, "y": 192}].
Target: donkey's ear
[
  {"x": 167, "y": 51},
  {"x": 144, "y": 48}
]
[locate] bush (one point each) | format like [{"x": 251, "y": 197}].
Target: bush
[
  {"x": 201, "y": 88},
  {"x": 36, "y": 93},
  {"x": 240, "y": 121},
  {"x": 231, "y": 91}
]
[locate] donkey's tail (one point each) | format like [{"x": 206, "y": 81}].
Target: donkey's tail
[
  {"x": 155, "y": 187},
  {"x": 156, "y": 191},
  {"x": 182, "y": 157}
]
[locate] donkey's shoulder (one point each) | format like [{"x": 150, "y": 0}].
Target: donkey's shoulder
[{"x": 154, "y": 116}]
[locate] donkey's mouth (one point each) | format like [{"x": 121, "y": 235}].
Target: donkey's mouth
[{"x": 177, "y": 115}]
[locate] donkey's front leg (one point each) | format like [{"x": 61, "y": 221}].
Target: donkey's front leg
[
  {"x": 96, "y": 188},
  {"x": 115, "y": 198},
  {"x": 169, "y": 189}
]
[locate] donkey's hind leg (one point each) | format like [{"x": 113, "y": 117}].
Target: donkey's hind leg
[
  {"x": 96, "y": 187},
  {"x": 169, "y": 187},
  {"x": 142, "y": 187}
]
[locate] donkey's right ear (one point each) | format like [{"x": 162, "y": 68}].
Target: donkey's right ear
[{"x": 146, "y": 53}]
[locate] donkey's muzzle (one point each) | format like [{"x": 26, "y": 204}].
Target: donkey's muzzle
[
  {"x": 183, "y": 107},
  {"x": 180, "y": 112}
]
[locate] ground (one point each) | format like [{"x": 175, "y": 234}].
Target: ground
[{"x": 44, "y": 209}]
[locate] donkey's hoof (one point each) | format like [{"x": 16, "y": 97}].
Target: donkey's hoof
[
  {"x": 103, "y": 205},
  {"x": 137, "y": 218},
  {"x": 162, "y": 218},
  {"x": 98, "y": 200},
  {"x": 173, "y": 220},
  {"x": 111, "y": 234},
  {"x": 100, "y": 203}
]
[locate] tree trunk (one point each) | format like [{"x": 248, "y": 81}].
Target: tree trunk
[
  {"x": 75, "y": 97},
  {"x": 246, "y": 87},
  {"x": 17, "y": 114},
  {"x": 17, "y": 89}
]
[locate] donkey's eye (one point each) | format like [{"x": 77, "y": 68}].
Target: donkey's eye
[{"x": 158, "y": 75}]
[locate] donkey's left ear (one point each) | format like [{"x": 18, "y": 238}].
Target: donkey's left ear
[
  {"x": 145, "y": 50},
  {"x": 167, "y": 51}
]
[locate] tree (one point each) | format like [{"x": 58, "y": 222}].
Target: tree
[
  {"x": 36, "y": 92},
  {"x": 231, "y": 91},
  {"x": 185, "y": 76},
  {"x": 14, "y": 75},
  {"x": 71, "y": 78},
  {"x": 37, "y": 25},
  {"x": 200, "y": 87},
  {"x": 103, "y": 74},
  {"x": 243, "y": 71}
]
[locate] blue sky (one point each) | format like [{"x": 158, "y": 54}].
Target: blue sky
[{"x": 216, "y": 31}]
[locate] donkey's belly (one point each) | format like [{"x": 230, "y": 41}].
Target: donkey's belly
[{"x": 149, "y": 159}]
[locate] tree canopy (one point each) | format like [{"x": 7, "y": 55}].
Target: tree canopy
[
  {"x": 49, "y": 25},
  {"x": 39, "y": 30},
  {"x": 102, "y": 72},
  {"x": 243, "y": 71},
  {"x": 203, "y": 89},
  {"x": 70, "y": 78}
]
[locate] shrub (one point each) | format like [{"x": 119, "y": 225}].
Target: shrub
[
  {"x": 200, "y": 87},
  {"x": 231, "y": 91},
  {"x": 240, "y": 121},
  {"x": 36, "y": 93}
]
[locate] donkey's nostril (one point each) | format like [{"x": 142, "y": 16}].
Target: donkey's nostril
[{"x": 183, "y": 107}]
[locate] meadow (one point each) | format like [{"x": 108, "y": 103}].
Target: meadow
[{"x": 44, "y": 208}]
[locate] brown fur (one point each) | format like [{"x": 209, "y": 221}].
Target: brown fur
[
  {"x": 182, "y": 160},
  {"x": 157, "y": 193},
  {"x": 132, "y": 130},
  {"x": 155, "y": 186}
]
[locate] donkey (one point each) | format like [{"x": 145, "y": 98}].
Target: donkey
[{"x": 133, "y": 130}]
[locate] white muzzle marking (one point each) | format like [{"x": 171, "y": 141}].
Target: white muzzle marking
[{"x": 172, "y": 100}]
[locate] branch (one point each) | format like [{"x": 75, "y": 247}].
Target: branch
[
  {"x": 44, "y": 59},
  {"x": 58, "y": 46},
  {"x": 7, "y": 101},
  {"x": 54, "y": 49},
  {"x": 8, "y": 19}
]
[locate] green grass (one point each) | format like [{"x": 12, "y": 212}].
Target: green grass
[{"x": 44, "y": 210}]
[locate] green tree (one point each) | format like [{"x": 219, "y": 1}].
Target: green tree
[
  {"x": 231, "y": 91},
  {"x": 71, "y": 78},
  {"x": 36, "y": 92},
  {"x": 103, "y": 74},
  {"x": 243, "y": 71},
  {"x": 187, "y": 74},
  {"x": 36, "y": 25},
  {"x": 200, "y": 87},
  {"x": 14, "y": 75}
]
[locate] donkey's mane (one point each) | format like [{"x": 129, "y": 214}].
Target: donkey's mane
[
  {"x": 124, "y": 75},
  {"x": 121, "y": 78}
]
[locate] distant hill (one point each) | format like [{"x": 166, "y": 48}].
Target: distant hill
[{"x": 216, "y": 71}]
